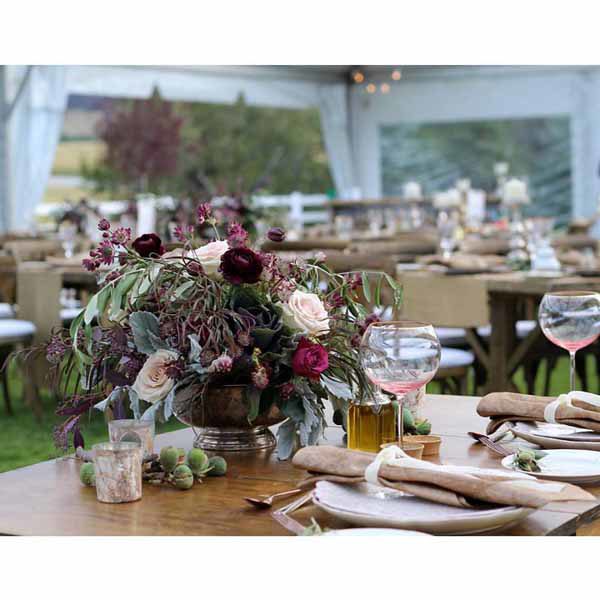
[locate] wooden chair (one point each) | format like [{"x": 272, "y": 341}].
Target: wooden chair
[
  {"x": 14, "y": 334},
  {"x": 453, "y": 373}
]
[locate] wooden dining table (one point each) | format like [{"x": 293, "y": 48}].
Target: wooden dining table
[
  {"x": 48, "y": 499},
  {"x": 470, "y": 301}
]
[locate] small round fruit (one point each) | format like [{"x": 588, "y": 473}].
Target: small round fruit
[
  {"x": 169, "y": 457},
  {"x": 87, "y": 474},
  {"x": 219, "y": 466},
  {"x": 183, "y": 477},
  {"x": 197, "y": 461}
]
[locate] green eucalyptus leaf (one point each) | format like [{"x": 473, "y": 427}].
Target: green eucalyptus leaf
[{"x": 91, "y": 310}]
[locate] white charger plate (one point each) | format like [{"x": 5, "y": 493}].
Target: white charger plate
[
  {"x": 569, "y": 466},
  {"x": 367, "y": 505},
  {"x": 559, "y": 431}
]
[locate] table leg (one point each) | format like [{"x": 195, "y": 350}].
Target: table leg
[{"x": 503, "y": 319}]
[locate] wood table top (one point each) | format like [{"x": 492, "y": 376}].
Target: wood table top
[{"x": 47, "y": 498}]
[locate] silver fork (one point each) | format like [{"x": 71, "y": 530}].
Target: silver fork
[{"x": 283, "y": 518}]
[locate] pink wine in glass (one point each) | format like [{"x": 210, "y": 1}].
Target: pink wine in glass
[{"x": 571, "y": 320}]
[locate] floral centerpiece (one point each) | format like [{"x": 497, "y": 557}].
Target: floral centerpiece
[{"x": 202, "y": 332}]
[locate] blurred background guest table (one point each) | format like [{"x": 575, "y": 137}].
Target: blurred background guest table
[
  {"x": 489, "y": 306},
  {"x": 47, "y": 498}
]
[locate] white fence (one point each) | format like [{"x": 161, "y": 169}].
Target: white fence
[{"x": 303, "y": 209}]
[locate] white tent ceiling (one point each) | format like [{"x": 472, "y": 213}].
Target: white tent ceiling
[{"x": 350, "y": 118}]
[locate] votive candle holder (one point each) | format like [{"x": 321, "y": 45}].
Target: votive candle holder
[
  {"x": 133, "y": 430},
  {"x": 118, "y": 467}
]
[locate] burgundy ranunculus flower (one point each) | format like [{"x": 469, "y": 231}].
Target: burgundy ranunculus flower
[
  {"x": 276, "y": 234},
  {"x": 148, "y": 244},
  {"x": 310, "y": 359},
  {"x": 241, "y": 265}
]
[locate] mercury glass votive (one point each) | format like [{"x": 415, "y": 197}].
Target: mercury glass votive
[
  {"x": 133, "y": 430},
  {"x": 118, "y": 467}
]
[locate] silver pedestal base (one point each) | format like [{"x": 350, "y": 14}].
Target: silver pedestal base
[{"x": 231, "y": 439}]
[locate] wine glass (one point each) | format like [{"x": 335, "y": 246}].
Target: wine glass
[
  {"x": 571, "y": 320},
  {"x": 400, "y": 356},
  {"x": 447, "y": 226}
]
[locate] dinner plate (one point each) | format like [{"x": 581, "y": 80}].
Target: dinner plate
[
  {"x": 370, "y": 531},
  {"x": 558, "y": 431},
  {"x": 367, "y": 505},
  {"x": 569, "y": 466}
]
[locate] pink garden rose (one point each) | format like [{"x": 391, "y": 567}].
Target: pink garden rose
[{"x": 153, "y": 383}]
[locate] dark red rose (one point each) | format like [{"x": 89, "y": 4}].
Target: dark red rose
[
  {"x": 310, "y": 359},
  {"x": 148, "y": 244},
  {"x": 241, "y": 265},
  {"x": 276, "y": 234}
]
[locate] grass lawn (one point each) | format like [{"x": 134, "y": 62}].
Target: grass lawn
[{"x": 24, "y": 441}]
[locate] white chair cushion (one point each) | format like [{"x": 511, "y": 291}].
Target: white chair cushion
[
  {"x": 6, "y": 311},
  {"x": 68, "y": 314},
  {"x": 454, "y": 357},
  {"x": 524, "y": 328},
  {"x": 15, "y": 328},
  {"x": 451, "y": 336}
]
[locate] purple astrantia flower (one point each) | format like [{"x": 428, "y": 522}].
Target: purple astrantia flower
[
  {"x": 103, "y": 225},
  {"x": 121, "y": 236},
  {"x": 105, "y": 253},
  {"x": 203, "y": 213},
  {"x": 237, "y": 236}
]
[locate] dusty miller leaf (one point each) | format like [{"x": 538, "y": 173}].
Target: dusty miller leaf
[{"x": 142, "y": 325}]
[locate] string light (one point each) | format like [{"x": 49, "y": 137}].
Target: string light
[{"x": 358, "y": 77}]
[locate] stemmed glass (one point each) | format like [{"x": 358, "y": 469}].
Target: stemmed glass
[
  {"x": 571, "y": 320},
  {"x": 400, "y": 356}
]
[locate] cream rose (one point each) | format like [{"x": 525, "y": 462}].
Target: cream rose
[
  {"x": 306, "y": 312},
  {"x": 152, "y": 383},
  {"x": 209, "y": 256}
]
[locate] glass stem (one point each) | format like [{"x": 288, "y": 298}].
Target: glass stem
[
  {"x": 400, "y": 400},
  {"x": 572, "y": 371}
]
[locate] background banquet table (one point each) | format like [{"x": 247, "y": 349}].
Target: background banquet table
[
  {"x": 476, "y": 300},
  {"x": 47, "y": 498}
]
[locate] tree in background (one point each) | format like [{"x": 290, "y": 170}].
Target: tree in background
[
  {"x": 203, "y": 150},
  {"x": 241, "y": 148},
  {"x": 143, "y": 145}
]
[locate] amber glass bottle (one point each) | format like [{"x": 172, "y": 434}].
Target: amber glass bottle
[{"x": 371, "y": 424}]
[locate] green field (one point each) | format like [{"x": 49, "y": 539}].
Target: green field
[{"x": 25, "y": 441}]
